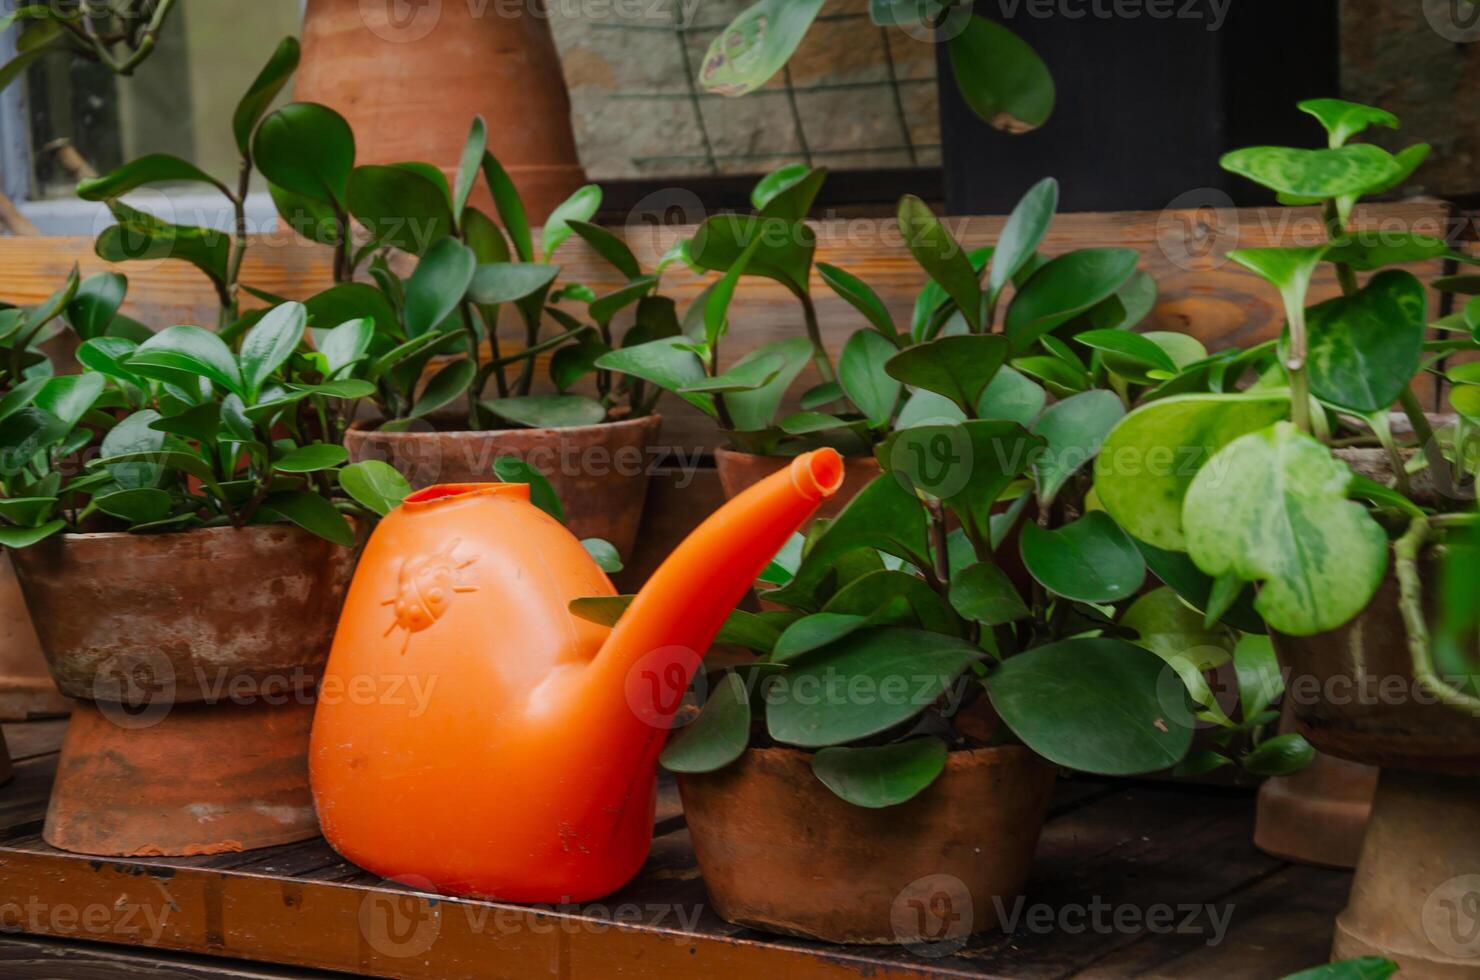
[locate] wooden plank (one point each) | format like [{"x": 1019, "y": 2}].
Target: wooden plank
[
  {"x": 28, "y": 739},
  {"x": 1202, "y": 292},
  {"x": 30, "y": 959}
]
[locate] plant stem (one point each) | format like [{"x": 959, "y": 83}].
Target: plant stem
[
  {"x": 474, "y": 422},
  {"x": 1334, "y": 231},
  {"x": 1295, "y": 366},
  {"x": 239, "y": 246},
  {"x": 531, "y": 342},
  {"x": 814, "y": 333},
  {"x": 940, "y": 548},
  {"x": 1406, "y": 552},
  {"x": 1423, "y": 432}
]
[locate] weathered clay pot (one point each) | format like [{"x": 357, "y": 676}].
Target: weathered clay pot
[
  {"x": 599, "y": 472},
  {"x": 1417, "y": 882},
  {"x": 192, "y": 779},
  {"x": 1318, "y": 815},
  {"x": 194, "y": 657},
  {"x": 780, "y": 852},
  {"x": 185, "y": 616},
  {"x": 409, "y": 77},
  {"x": 26, "y": 689},
  {"x": 737, "y": 471}
]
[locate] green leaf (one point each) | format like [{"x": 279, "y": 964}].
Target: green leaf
[
  {"x": 27, "y": 511},
  {"x": 511, "y": 469},
  {"x": 1064, "y": 288},
  {"x": 24, "y": 537},
  {"x": 399, "y": 206},
  {"x": 134, "y": 434},
  {"x": 860, "y": 296},
  {"x": 580, "y": 206},
  {"x": 1343, "y": 119},
  {"x": 1024, "y": 230},
  {"x": 881, "y": 775},
  {"x": 782, "y": 250},
  {"x": 756, "y": 44},
  {"x": 883, "y": 515},
  {"x": 863, "y": 374},
  {"x": 1096, "y": 705},
  {"x": 316, "y": 220},
  {"x": 505, "y": 282},
  {"x": 1362, "y": 968},
  {"x": 1151, "y": 457},
  {"x": 201, "y": 423},
  {"x": 445, "y": 386},
  {"x": 959, "y": 368},
  {"x": 983, "y": 593},
  {"x": 777, "y": 181},
  {"x": 604, "y": 553},
  {"x": 1369, "y": 253},
  {"x": 666, "y": 364},
  {"x": 603, "y": 308},
  {"x": 468, "y": 167},
  {"x": 312, "y": 513},
  {"x": 141, "y": 236},
  {"x": 942, "y": 258},
  {"x": 94, "y": 306},
  {"x": 1365, "y": 348},
  {"x": 184, "y": 352},
  {"x": 483, "y": 237},
  {"x": 143, "y": 505},
  {"x": 608, "y": 246},
  {"x": 886, "y": 596},
  {"x": 25, "y": 433},
  {"x": 70, "y": 396},
  {"x": 755, "y": 410},
  {"x": 1074, "y": 429},
  {"x": 152, "y": 168},
  {"x": 377, "y": 486},
  {"x": 891, "y": 658},
  {"x": 1322, "y": 174},
  {"x": 185, "y": 462},
  {"x": 1090, "y": 560},
  {"x": 1011, "y": 397},
  {"x": 1129, "y": 345},
  {"x": 308, "y": 149},
  {"x": 1271, "y": 507},
  {"x": 1283, "y": 755},
  {"x": 346, "y": 344},
  {"x": 1001, "y": 77},
  {"x": 549, "y": 411},
  {"x": 269, "y": 82},
  {"x": 719, "y": 734},
  {"x": 1259, "y": 679},
  {"x": 437, "y": 285},
  {"x": 813, "y": 633},
  {"x": 967, "y": 465},
  {"x": 311, "y": 458},
  {"x": 1170, "y": 628},
  {"x": 353, "y": 301},
  {"x": 510, "y": 208},
  {"x": 742, "y": 377},
  {"x": 268, "y": 344}
]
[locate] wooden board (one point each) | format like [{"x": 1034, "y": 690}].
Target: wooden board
[
  {"x": 1126, "y": 849},
  {"x": 1201, "y": 290}
]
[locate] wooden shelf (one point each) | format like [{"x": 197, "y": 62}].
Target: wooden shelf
[{"x": 1126, "y": 848}]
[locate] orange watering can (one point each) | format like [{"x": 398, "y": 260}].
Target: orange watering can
[{"x": 473, "y": 733}]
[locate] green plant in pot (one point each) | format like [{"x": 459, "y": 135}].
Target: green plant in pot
[
  {"x": 183, "y": 536},
  {"x": 450, "y": 397},
  {"x": 968, "y": 621},
  {"x": 1306, "y": 486}
]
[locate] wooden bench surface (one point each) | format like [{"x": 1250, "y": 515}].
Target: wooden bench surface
[{"x": 1130, "y": 849}]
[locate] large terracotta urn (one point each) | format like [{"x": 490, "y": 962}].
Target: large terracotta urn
[{"x": 409, "y": 75}]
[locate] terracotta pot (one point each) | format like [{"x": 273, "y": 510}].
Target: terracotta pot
[
  {"x": 26, "y": 689},
  {"x": 409, "y": 77},
  {"x": 197, "y": 654},
  {"x": 193, "y": 779},
  {"x": 599, "y": 472},
  {"x": 1417, "y": 883},
  {"x": 737, "y": 471},
  {"x": 184, "y": 615},
  {"x": 780, "y": 852}
]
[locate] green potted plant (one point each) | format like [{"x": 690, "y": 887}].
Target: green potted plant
[
  {"x": 182, "y": 536},
  {"x": 1347, "y": 548},
  {"x": 896, "y": 735}
]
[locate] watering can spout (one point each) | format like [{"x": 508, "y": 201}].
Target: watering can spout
[{"x": 676, "y": 616}]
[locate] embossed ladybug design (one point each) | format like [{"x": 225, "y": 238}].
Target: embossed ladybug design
[{"x": 425, "y": 586}]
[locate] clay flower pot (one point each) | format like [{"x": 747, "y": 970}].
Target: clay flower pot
[
  {"x": 409, "y": 77},
  {"x": 26, "y": 689},
  {"x": 780, "y": 852},
  {"x": 599, "y": 472},
  {"x": 737, "y": 471},
  {"x": 1354, "y": 696},
  {"x": 194, "y": 657}
]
